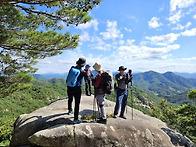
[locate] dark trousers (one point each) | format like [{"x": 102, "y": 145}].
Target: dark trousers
[
  {"x": 121, "y": 100},
  {"x": 88, "y": 87},
  {"x": 76, "y": 93}
]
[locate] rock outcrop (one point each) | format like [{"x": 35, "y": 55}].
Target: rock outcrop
[{"x": 52, "y": 126}]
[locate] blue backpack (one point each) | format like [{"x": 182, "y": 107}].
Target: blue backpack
[{"x": 72, "y": 77}]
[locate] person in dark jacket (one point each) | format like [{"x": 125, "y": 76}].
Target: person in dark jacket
[
  {"x": 75, "y": 90},
  {"x": 88, "y": 80},
  {"x": 122, "y": 81}
]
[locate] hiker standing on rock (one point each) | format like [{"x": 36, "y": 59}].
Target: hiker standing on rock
[
  {"x": 88, "y": 80},
  {"x": 74, "y": 81},
  {"x": 99, "y": 93},
  {"x": 121, "y": 86}
]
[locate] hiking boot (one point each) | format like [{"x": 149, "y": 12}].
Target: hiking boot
[
  {"x": 77, "y": 121},
  {"x": 70, "y": 112},
  {"x": 103, "y": 121},
  {"x": 122, "y": 116},
  {"x": 115, "y": 116}
]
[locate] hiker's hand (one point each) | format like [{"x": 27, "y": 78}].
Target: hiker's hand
[
  {"x": 121, "y": 77},
  {"x": 130, "y": 74}
]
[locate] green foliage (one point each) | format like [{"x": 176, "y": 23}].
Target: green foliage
[
  {"x": 40, "y": 94},
  {"x": 180, "y": 99},
  {"x": 28, "y": 31},
  {"x": 15, "y": 82},
  {"x": 192, "y": 94},
  {"x": 181, "y": 118}
]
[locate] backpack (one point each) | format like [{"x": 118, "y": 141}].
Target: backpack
[
  {"x": 72, "y": 77},
  {"x": 108, "y": 82}
]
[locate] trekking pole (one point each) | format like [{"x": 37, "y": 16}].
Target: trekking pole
[
  {"x": 130, "y": 73},
  {"x": 132, "y": 99},
  {"x": 98, "y": 108},
  {"x": 94, "y": 108}
]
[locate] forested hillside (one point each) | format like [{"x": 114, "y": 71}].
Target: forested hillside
[
  {"x": 39, "y": 95},
  {"x": 163, "y": 84}
]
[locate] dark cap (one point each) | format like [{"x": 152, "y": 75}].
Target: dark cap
[
  {"x": 122, "y": 68},
  {"x": 81, "y": 61}
]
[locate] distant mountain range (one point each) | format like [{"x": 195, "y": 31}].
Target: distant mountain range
[
  {"x": 167, "y": 85},
  {"x": 50, "y": 76},
  {"x": 186, "y": 75},
  {"x": 163, "y": 84}
]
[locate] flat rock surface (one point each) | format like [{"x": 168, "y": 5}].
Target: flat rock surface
[{"x": 52, "y": 126}]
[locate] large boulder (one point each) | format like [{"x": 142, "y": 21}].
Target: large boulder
[{"x": 52, "y": 126}]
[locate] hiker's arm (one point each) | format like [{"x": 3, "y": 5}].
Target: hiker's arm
[
  {"x": 91, "y": 75},
  {"x": 131, "y": 77},
  {"x": 82, "y": 74},
  {"x": 119, "y": 78},
  {"x": 126, "y": 78}
]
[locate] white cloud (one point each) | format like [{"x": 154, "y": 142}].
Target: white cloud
[
  {"x": 128, "y": 30},
  {"x": 189, "y": 59},
  {"x": 85, "y": 37},
  {"x": 111, "y": 32},
  {"x": 176, "y": 7},
  {"x": 161, "y": 8},
  {"x": 105, "y": 47},
  {"x": 194, "y": 16},
  {"x": 93, "y": 23},
  {"x": 180, "y": 27},
  {"x": 188, "y": 24},
  {"x": 99, "y": 44},
  {"x": 132, "y": 18},
  {"x": 153, "y": 23},
  {"x": 175, "y": 17},
  {"x": 174, "y": 4},
  {"x": 60, "y": 63},
  {"x": 130, "y": 42},
  {"x": 121, "y": 42},
  {"x": 142, "y": 52},
  {"x": 163, "y": 40},
  {"x": 191, "y": 32}
]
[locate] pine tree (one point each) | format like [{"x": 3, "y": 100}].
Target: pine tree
[{"x": 29, "y": 31}]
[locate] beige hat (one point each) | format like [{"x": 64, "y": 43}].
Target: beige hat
[{"x": 97, "y": 66}]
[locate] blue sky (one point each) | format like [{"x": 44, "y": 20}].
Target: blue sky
[{"x": 142, "y": 35}]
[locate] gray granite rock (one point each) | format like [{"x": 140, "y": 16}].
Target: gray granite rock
[{"x": 52, "y": 126}]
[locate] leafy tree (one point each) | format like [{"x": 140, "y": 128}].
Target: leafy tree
[
  {"x": 192, "y": 94},
  {"x": 29, "y": 31},
  {"x": 181, "y": 118}
]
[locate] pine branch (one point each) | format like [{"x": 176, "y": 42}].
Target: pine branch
[{"x": 29, "y": 11}]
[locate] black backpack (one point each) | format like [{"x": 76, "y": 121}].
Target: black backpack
[{"x": 108, "y": 82}]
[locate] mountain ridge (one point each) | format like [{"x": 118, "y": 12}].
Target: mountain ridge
[{"x": 163, "y": 84}]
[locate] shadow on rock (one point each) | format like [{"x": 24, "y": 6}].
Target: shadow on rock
[
  {"x": 30, "y": 125},
  {"x": 178, "y": 139}
]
